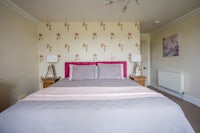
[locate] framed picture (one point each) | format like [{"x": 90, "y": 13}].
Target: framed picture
[{"x": 171, "y": 46}]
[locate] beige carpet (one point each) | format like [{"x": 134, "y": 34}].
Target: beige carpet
[{"x": 191, "y": 111}]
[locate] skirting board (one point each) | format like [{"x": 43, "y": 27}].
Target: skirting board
[{"x": 185, "y": 97}]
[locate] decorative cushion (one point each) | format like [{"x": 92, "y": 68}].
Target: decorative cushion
[
  {"x": 81, "y": 72},
  {"x": 110, "y": 71}
]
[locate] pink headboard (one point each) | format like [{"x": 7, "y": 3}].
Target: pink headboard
[{"x": 95, "y": 63}]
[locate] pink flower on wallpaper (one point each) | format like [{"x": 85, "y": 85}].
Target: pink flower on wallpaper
[
  {"x": 67, "y": 25},
  {"x": 58, "y": 36},
  {"x": 40, "y": 36},
  {"x": 49, "y": 47},
  {"x": 67, "y": 46},
  {"x": 76, "y": 57},
  {"x": 120, "y": 26},
  {"x": 85, "y": 25},
  {"x": 129, "y": 35},
  {"x": 94, "y": 35},
  {"x": 112, "y": 35},
  {"x": 103, "y": 46},
  {"x": 48, "y": 25},
  {"x": 121, "y": 46},
  {"x": 85, "y": 46},
  {"x": 76, "y": 36},
  {"x": 129, "y": 56},
  {"x": 137, "y": 24},
  {"x": 103, "y": 25},
  {"x": 41, "y": 58},
  {"x": 94, "y": 57},
  {"x": 59, "y": 57}
]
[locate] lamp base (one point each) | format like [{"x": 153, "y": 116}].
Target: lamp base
[
  {"x": 138, "y": 74},
  {"x": 51, "y": 73},
  {"x": 137, "y": 70}
]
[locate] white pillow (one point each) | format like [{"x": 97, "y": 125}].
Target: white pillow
[
  {"x": 110, "y": 71},
  {"x": 70, "y": 71},
  {"x": 81, "y": 72}
]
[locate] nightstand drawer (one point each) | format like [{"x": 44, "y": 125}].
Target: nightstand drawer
[
  {"x": 139, "y": 79},
  {"x": 49, "y": 82}
]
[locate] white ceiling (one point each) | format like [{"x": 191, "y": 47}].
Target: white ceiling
[{"x": 147, "y": 12}]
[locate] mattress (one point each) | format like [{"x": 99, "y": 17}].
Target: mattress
[{"x": 100, "y": 106}]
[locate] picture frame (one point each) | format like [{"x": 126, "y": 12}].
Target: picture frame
[{"x": 171, "y": 46}]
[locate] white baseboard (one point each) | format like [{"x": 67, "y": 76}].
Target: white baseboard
[
  {"x": 185, "y": 97},
  {"x": 154, "y": 85},
  {"x": 191, "y": 99}
]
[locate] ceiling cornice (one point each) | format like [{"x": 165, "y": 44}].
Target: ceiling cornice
[
  {"x": 180, "y": 19},
  {"x": 20, "y": 11}
]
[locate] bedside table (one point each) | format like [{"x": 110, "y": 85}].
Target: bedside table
[
  {"x": 48, "y": 82},
  {"x": 139, "y": 79}
]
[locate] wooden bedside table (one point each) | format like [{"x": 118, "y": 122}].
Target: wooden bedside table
[
  {"x": 48, "y": 82},
  {"x": 139, "y": 79}
]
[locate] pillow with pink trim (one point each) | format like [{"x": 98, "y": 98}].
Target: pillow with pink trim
[
  {"x": 110, "y": 71},
  {"x": 82, "y": 72}
]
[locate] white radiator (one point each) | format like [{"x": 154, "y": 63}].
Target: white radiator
[{"x": 171, "y": 80}]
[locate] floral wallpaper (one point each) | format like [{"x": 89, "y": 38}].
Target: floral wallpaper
[{"x": 87, "y": 41}]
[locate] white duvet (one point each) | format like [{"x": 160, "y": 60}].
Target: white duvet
[{"x": 134, "y": 109}]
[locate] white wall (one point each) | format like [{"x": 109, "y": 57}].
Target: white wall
[
  {"x": 188, "y": 61},
  {"x": 18, "y": 57}
]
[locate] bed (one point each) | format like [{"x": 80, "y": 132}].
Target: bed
[{"x": 104, "y": 101}]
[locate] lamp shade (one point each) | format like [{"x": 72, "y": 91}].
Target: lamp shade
[
  {"x": 136, "y": 58},
  {"x": 52, "y": 58}
]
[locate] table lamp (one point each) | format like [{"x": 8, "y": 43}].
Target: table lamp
[
  {"x": 51, "y": 72},
  {"x": 136, "y": 68}
]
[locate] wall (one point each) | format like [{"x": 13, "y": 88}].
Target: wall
[
  {"x": 18, "y": 57},
  {"x": 87, "y": 41},
  {"x": 188, "y": 60}
]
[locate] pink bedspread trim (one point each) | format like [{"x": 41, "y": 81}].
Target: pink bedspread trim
[{"x": 92, "y": 93}]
